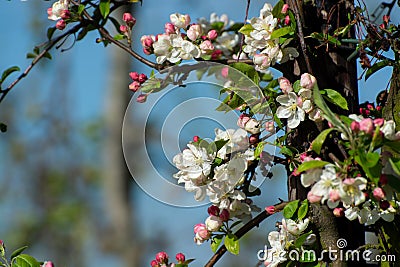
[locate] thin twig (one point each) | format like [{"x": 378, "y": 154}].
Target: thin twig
[
  {"x": 255, "y": 222},
  {"x": 242, "y": 40},
  {"x": 50, "y": 45}
]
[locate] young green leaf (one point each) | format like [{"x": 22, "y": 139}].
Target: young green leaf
[
  {"x": 215, "y": 242},
  {"x": 303, "y": 209},
  {"x": 320, "y": 139},
  {"x": 246, "y": 29},
  {"x": 301, "y": 239},
  {"x": 7, "y": 72},
  {"x": 259, "y": 149},
  {"x": 231, "y": 243},
  {"x": 25, "y": 260},
  {"x": 17, "y": 252},
  {"x": 312, "y": 164},
  {"x": 336, "y": 98},
  {"x": 104, "y": 8},
  {"x": 281, "y": 32},
  {"x": 377, "y": 66},
  {"x": 290, "y": 209}
]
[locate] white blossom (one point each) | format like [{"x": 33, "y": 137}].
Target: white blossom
[{"x": 290, "y": 109}]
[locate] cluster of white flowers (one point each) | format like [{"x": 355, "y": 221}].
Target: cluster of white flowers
[
  {"x": 294, "y": 107},
  {"x": 328, "y": 187},
  {"x": 58, "y": 8},
  {"x": 282, "y": 239},
  {"x": 264, "y": 49},
  {"x": 184, "y": 41},
  {"x": 219, "y": 183}
]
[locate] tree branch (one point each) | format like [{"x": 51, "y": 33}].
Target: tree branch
[{"x": 242, "y": 231}]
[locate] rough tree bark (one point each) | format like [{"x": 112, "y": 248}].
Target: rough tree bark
[{"x": 329, "y": 65}]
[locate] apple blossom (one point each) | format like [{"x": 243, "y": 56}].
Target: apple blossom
[
  {"x": 207, "y": 47},
  {"x": 134, "y": 86},
  {"x": 212, "y": 35},
  {"x": 355, "y": 126},
  {"x": 61, "y": 24},
  {"x": 201, "y": 233},
  {"x": 213, "y": 223},
  {"x": 367, "y": 126},
  {"x": 169, "y": 28},
  {"x": 307, "y": 81},
  {"x": 295, "y": 228},
  {"x": 378, "y": 193},
  {"x": 194, "y": 32},
  {"x": 290, "y": 109},
  {"x": 129, "y": 19},
  {"x": 338, "y": 212},
  {"x": 285, "y": 85},
  {"x": 351, "y": 190},
  {"x": 57, "y": 9},
  {"x": 179, "y": 20}
]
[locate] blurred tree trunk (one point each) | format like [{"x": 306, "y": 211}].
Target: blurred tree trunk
[
  {"x": 331, "y": 69},
  {"x": 118, "y": 183}
]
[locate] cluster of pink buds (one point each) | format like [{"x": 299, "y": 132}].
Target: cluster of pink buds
[
  {"x": 162, "y": 260},
  {"x": 130, "y": 21},
  {"x": 213, "y": 223},
  {"x": 59, "y": 12},
  {"x": 137, "y": 80},
  {"x": 366, "y": 125}
]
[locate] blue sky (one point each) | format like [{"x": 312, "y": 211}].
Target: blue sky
[{"x": 89, "y": 93}]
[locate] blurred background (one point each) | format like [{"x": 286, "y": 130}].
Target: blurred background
[{"x": 65, "y": 190}]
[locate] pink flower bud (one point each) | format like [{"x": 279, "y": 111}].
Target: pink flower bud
[
  {"x": 367, "y": 112},
  {"x": 147, "y": 51},
  {"x": 378, "y": 193},
  {"x": 180, "y": 257},
  {"x": 270, "y": 126},
  {"x": 254, "y": 139},
  {"x": 129, "y": 19},
  {"x": 154, "y": 263},
  {"x": 285, "y": 85},
  {"x": 313, "y": 198},
  {"x": 141, "y": 98},
  {"x": 386, "y": 19},
  {"x": 378, "y": 108},
  {"x": 379, "y": 122},
  {"x": 370, "y": 106},
  {"x": 285, "y": 8},
  {"x": 147, "y": 40},
  {"x": 50, "y": 11},
  {"x": 270, "y": 210},
  {"x": 48, "y": 264},
  {"x": 216, "y": 54},
  {"x": 307, "y": 81},
  {"x": 334, "y": 195},
  {"x": 355, "y": 126},
  {"x": 213, "y": 223},
  {"x": 194, "y": 32},
  {"x": 162, "y": 257},
  {"x": 142, "y": 78},
  {"x": 61, "y": 24},
  {"x": 65, "y": 14},
  {"x": 213, "y": 34},
  {"x": 224, "y": 215},
  {"x": 287, "y": 20},
  {"x": 207, "y": 47},
  {"x": 201, "y": 232},
  {"x": 123, "y": 28},
  {"x": 382, "y": 26},
  {"x": 169, "y": 28},
  {"x": 225, "y": 72},
  {"x": 243, "y": 119},
  {"x": 196, "y": 138},
  {"x": 134, "y": 76},
  {"x": 367, "y": 126},
  {"x": 134, "y": 86},
  {"x": 213, "y": 210},
  {"x": 338, "y": 212}
]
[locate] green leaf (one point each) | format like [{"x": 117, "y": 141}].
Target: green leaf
[
  {"x": 47, "y": 55},
  {"x": 336, "y": 98},
  {"x": 301, "y": 239},
  {"x": 290, "y": 209},
  {"x": 316, "y": 145},
  {"x": 276, "y": 11},
  {"x": 246, "y": 29},
  {"x": 377, "y": 66},
  {"x": 325, "y": 38},
  {"x": 3, "y": 127},
  {"x": 104, "y": 8},
  {"x": 30, "y": 55},
  {"x": 281, "y": 32},
  {"x": 25, "y": 260},
  {"x": 80, "y": 9},
  {"x": 296, "y": 86},
  {"x": 220, "y": 143},
  {"x": 218, "y": 25},
  {"x": 286, "y": 151},
  {"x": 215, "y": 242},
  {"x": 7, "y": 72},
  {"x": 235, "y": 27},
  {"x": 119, "y": 37},
  {"x": 372, "y": 159},
  {"x": 231, "y": 243},
  {"x": 395, "y": 163},
  {"x": 248, "y": 70},
  {"x": 259, "y": 149},
  {"x": 50, "y": 32},
  {"x": 18, "y": 252},
  {"x": 303, "y": 209},
  {"x": 312, "y": 164}
]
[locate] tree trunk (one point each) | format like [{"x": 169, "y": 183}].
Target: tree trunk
[{"x": 332, "y": 70}]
